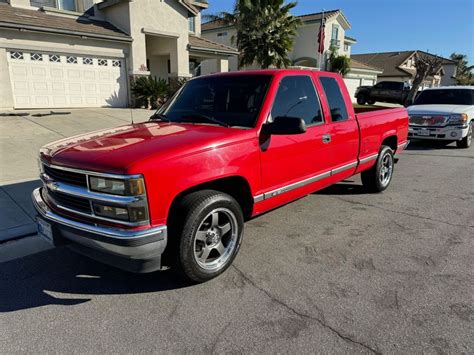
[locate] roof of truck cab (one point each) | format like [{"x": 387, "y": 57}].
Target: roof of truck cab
[
  {"x": 269, "y": 72},
  {"x": 452, "y": 88}
]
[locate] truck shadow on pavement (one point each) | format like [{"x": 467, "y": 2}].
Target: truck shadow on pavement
[
  {"x": 61, "y": 277},
  {"x": 431, "y": 145}
]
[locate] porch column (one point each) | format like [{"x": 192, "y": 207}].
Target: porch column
[{"x": 179, "y": 58}]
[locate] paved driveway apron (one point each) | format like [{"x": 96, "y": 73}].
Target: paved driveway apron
[
  {"x": 336, "y": 272},
  {"x": 22, "y": 133}
]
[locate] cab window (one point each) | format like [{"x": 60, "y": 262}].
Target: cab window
[
  {"x": 336, "y": 102},
  {"x": 297, "y": 97}
]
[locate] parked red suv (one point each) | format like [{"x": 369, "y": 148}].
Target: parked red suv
[{"x": 175, "y": 191}]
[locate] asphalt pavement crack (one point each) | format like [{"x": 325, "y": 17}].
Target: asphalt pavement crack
[
  {"x": 218, "y": 336},
  {"x": 303, "y": 315},
  {"x": 403, "y": 213}
]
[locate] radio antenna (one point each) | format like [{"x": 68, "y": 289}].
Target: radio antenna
[{"x": 131, "y": 115}]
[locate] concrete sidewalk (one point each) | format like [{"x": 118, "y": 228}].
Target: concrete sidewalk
[{"x": 22, "y": 134}]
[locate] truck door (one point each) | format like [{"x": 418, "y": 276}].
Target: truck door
[
  {"x": 288, "y": 161},
  {"x": 343, "y": 148}
]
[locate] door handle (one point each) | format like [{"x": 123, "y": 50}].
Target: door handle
[{"x": 327, "y": 138}]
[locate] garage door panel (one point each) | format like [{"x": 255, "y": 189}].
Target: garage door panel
[
  {"x": 60, "y": 80},
  {"x": 38, "y": 72}
]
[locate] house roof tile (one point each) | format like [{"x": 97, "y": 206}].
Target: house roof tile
[
  {"x": 197, "y": 43},
  {"x": 14, "y": 17},
  {"x": 355, "y": 64},
  {"x": 388, "y": 62}
]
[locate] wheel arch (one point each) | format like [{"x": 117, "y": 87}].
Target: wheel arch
[
  {"x": 236, "y": 186},
  {"x": 391, "y": 141}
]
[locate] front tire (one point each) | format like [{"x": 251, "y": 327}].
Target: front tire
[
  {"x": 466, "y": 141},
  {"x": 210, "y": 234},
  {"x": 361, "y": 100},
  {"x": 379, "y": 177}
]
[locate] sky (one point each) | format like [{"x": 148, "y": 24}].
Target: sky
[{"x": 438, "y": 26}]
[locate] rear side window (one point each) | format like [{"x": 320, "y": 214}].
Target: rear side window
[
  {"x": 335, "y": 99},
  {"x": 297, "y": 97}
]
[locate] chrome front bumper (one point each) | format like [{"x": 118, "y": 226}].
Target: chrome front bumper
[
  {"x": 448, "y": 133},
  {"x": 137, "y": 251}
]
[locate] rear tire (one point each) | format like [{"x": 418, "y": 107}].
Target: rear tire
[
  {"x": 208, "y": 234},
  {"x": 466, "y": 141},
  {"x": 379, "y": 177},
  {"x": 361, "y": 99}
]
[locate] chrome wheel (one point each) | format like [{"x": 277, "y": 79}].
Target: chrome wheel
[
  {"x": 216, "y": 239},
  {"x": 386, "y": 169}
]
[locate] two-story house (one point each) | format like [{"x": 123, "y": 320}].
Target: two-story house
[
  {"x": 305, "y": 48},
  {"x": 85, "y": 53},
  {"x": 400, "y": 66}
]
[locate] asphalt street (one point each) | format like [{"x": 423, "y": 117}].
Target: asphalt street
[{"x": 339, "y": 271}]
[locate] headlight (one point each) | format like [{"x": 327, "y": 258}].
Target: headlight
[
  {"x": 131, "y": 214},
  {"x": 458, "y": 118},
  {"x": 132, "y": 187}
]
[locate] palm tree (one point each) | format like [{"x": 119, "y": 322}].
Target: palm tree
[
  {"x": 265, "y": 31},
  {"x": 464, "y": 75}
]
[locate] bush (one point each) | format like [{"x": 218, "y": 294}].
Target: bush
[{"x": 151, "y": 91}]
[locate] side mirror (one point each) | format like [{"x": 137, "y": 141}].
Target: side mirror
[{"x": 286, "y": 126}]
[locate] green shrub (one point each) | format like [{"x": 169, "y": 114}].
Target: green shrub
[{"x": 150, "y": 90}]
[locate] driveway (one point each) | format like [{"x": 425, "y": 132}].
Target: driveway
[
  {"x": 339, "y": 271},
  {"x": 22, "y": 134}
]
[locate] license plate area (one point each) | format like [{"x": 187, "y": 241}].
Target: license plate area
[{"x": 423, "y": 132}]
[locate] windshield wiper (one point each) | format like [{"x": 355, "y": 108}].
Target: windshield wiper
[
  {"x": 208, "y": 118},
  {"x": 160, "y": 116}
]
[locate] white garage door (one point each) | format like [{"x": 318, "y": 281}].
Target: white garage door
[
  {"x": 368, "y": 82},
  {"x": 352, "y": 85},
  {"x": 54, "y": 80}
]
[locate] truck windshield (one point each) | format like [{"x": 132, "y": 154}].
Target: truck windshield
[
  {"x": 446, "y": 97},
  {"x": 230, "y": 101}
]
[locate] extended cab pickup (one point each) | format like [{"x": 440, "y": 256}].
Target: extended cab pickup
[
  {"x": 394, "y": 92},
  {"x": 175, "y": 191},
  {"x": 443, "y": 114}
]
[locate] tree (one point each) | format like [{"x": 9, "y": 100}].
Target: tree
[
  {"x": 426, "y": 65},
  {"x": 265, "y": 31},
  {"x": 464, "y": 75},
  {"x": 339, "y": 63},
  {"x": 150, "y": 91}
]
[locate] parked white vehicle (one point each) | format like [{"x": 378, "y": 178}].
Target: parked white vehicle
[{"x": 444, "y": 113}]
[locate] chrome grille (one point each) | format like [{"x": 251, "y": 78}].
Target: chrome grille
[
  {"x": 67, "y": 177},
  {"x": 428, "y": 120},
  {"x": 71, "y": 202}
]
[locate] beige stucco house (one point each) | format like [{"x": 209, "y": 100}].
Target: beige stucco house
[
  {"x": 400, "y": 66},
  {"x": 305, "y": 49},
  {"x": 85, "y": 53}
]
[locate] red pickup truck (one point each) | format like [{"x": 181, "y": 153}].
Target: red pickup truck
[{"x": 175, "y": 191}]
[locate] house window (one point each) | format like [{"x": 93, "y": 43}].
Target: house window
[
  {"x": 36, "y": 57},
  {"x": 335, "y": 32},
  {"x": 102, "y": 62},
  {"x": 222, "y": 34},
  {"x": 192, "y": 24},
  {"x": 69, "y": 5},
  {"x": 16, "y": 55},
  {"x": 71, "y": 59},
  {"x": 54, "y": 58},
  {"x": 346, "y": 47},
  {"x": 87, "y": 61}
]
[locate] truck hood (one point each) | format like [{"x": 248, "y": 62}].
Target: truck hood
[
  {"x": 119, "y": 149},
  {"x": 437, "y": 109}
]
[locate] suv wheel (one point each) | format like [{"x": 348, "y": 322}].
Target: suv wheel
[
  {"x": 379, "y": 177},
  {"x": 361, "y": 100},
  {"x": 466, "y": 141},
  {"x": 210, "y": 234}
]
